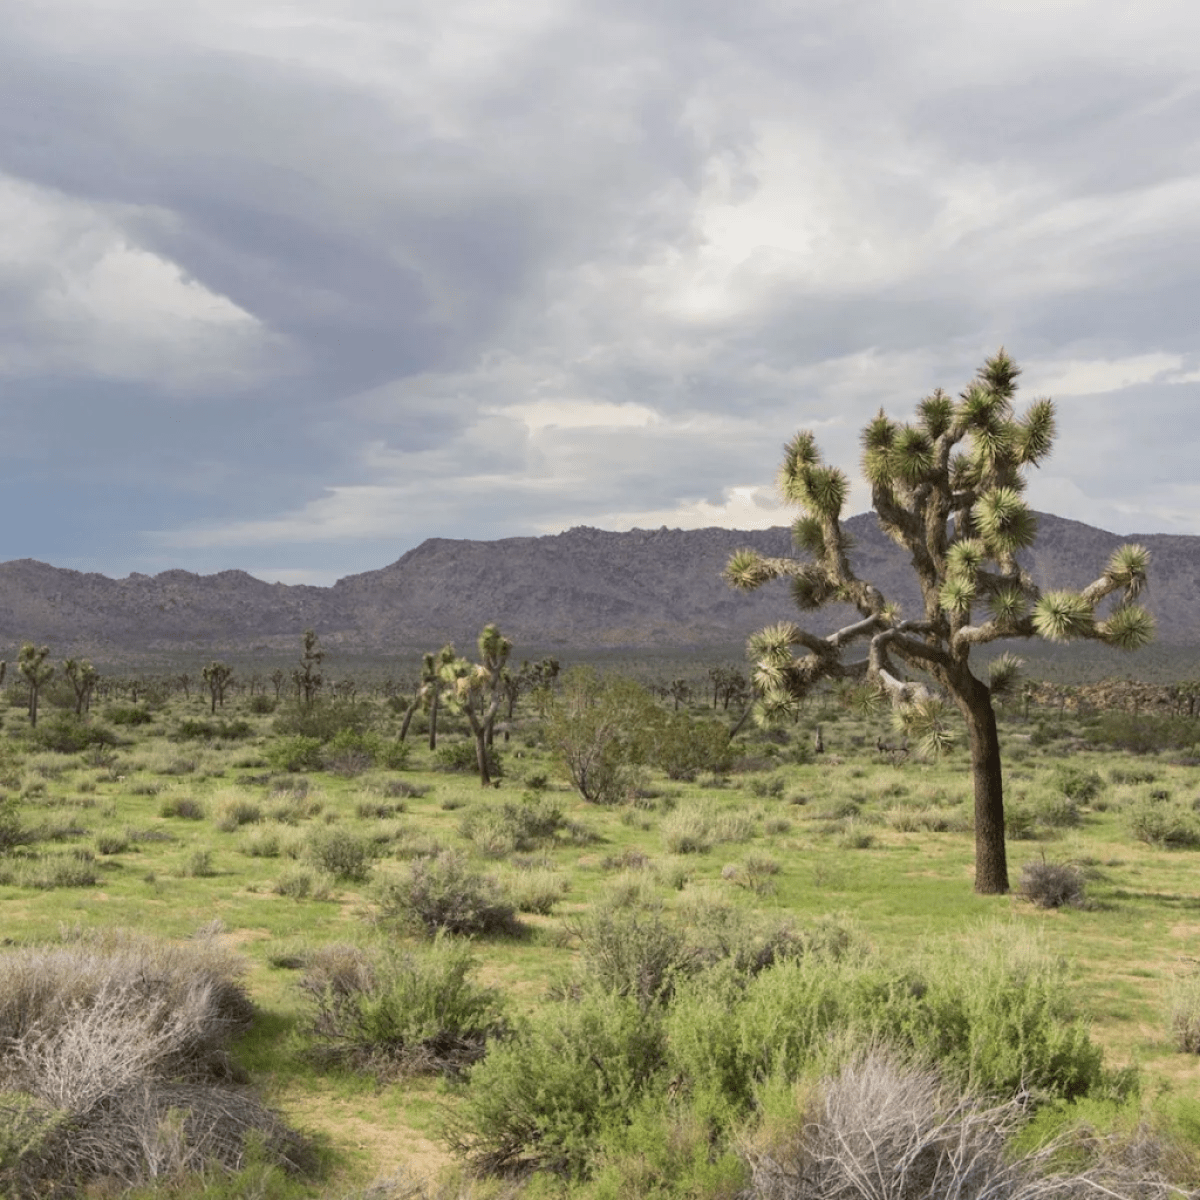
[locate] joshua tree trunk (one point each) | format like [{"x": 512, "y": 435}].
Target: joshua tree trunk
[{"x": 991, "y": 862}]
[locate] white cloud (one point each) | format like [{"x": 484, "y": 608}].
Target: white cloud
[
  {"x": 1091, "y": 377},
  {"x": 93, "y": 303}
]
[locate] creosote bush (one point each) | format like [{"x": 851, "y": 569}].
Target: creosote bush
[
  {"x": 399, "y": 1013},
  {"x": 446, "y": 893}
]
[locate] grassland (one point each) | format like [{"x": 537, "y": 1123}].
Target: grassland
[{"x": 166, "y": 834}]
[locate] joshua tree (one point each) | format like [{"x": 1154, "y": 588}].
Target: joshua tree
[
  {"x": 307, "y": 676},
  {"x": 277, "y": 680},
  {"x": 947, "y": 488},
  {"x": 478, "y": 690},
  {"x": 36, "y": 671},
  {"x": 217, "y": 675},
  {"x": 82, "y": 676}
]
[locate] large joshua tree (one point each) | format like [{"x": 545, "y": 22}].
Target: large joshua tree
[{"x": 947, "y": 487}]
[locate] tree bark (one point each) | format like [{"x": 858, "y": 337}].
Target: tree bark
[{"x": 991, "y": 862}]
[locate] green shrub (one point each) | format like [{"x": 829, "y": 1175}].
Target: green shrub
[
  {"x": 399, "y": 1013},
  {"x": 1078, "y": 784},
  {"x": 446, "y": 894},
  {"x": 183, "y": 806},
  {"x": 633, "y": 952},
  {"x": 235, "y": 811},
  {"x": 323, "y": 719},
  {"x": 683, "y": 747},
  {"x": 343, "y": 854},
  {"x": 545, "y": 1098},
  {"x": 1184, "y": 1013},
  {"x": 536, "y": 890},
  {"x": 47, "y": 872},
  {"x": 462, "y": 757},
  {"x": 129, "y": 714},
  {"x": 995, "y": 1020},
  {"x": 213, "y": 731},
  {"x": 261, "y": 705},
  {"x": 688, "y": 830},
  {"x": 66, "y": 733},
  {"x": 299, "y": 881},
  {"x": 295, "y": 753},
  {"x": 1163, "y": 823},
  {"x": 514, "y": 827}
]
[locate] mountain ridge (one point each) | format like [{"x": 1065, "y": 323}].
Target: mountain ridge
[{"x": 582, "y": 588}]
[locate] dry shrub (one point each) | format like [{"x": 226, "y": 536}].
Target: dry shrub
[
  {"x": 1052, "y": 884},
  {"x": 885, "y": 1130},
  {"x": 114, "y": 1064}
]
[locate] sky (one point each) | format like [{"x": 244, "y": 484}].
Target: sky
[{"x": 291, "y": 287}]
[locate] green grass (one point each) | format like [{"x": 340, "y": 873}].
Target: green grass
[{"x": 884, "y": 849}]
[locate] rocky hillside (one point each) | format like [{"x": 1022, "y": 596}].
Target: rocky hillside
[{"x": 584, "y": 588}]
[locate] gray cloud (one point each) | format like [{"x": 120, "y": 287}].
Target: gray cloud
[{"x": 316, "y": 281}]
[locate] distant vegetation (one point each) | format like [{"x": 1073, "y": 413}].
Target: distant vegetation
[{"x": 260, "y": 945}]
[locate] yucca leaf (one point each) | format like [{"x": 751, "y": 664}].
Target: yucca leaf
[
  {"x": 1129, "y": 627},
  {"x": 826, "y": 489},
  {"x": 1003, "y": 674},
  {"x": 1004, "y": 521},
  {"x": 911, "y": 456},
  {"x": 1061, "y": 616},
  {"x": 965, "y": 558},
  {"x": 747, "y": 569},
  {"x": 1008, "y": 605},
  {"x": 1035, "y": 432},
  {"x": 879, "y": 433},
  {"x": 808, "y": 534},
  {"x": 957, "y": 595},
  {"x": 1000, "y": 373},
  {"x": 1127, "y": 568},
  {"x": 936, "y": 413}
]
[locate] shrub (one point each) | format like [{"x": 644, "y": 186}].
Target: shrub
[
  {"x": 184, "y": 807},
  {"x": 399, "y": 1013},
  {"x": 1052, "y": 885},
  {"x": 515, "y": 827},
  {"x": 115, "y": 1051},
  {"x": 1077, "y": 784},
  {"x": 47, "y": 872},
  {"x": 112, "y": 843},
  {"x": 234, "y": 811},
  {"x": 296, "y": 753},
  {"x": 883, "y": 1127},
  {"x": 1184, "y": 1013},
  {"x": 683, "y": 747},
  {"x": 66, "y": 733},
  {"x": 213, "y": 731},
  {"x": 1161, "y": 823},
  {"x": 129, "y": 714},
  {"x": 688, "y": 830},
  {"x": 538, "y": 1102},
  {"x": 536, "y": 890},
  {"x": 601, "y": 730},
  {"x": 324, "y": 719},
  {"x": 461, "y": 757},
  {"x": 299, "y": 881},
  {"x": 445, "y": 893},
  {"x": 261, "y": 705},
  {"x": 633, "y": 952},
  {"x": 343, "y": 854},
  {"x": 996, "y": 1020}
]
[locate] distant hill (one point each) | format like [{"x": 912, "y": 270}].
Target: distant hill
[{"x": 585, "y": 588}]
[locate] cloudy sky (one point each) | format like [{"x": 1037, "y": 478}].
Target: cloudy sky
[{"x": 291, "y": 286}]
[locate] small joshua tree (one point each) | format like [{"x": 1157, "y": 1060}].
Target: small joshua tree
[
  {"x": 82, "y": 677},
  {"x": 477, "y": 690},
  {"x": 948, "y": 489},
  {"x": 217, "y": 675},
  {"x": 307, "y": 676},
  {"x": 36, "y": 672}
]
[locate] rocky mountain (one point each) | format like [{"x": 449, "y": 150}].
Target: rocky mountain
[{"x": 581, "y": 589}]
